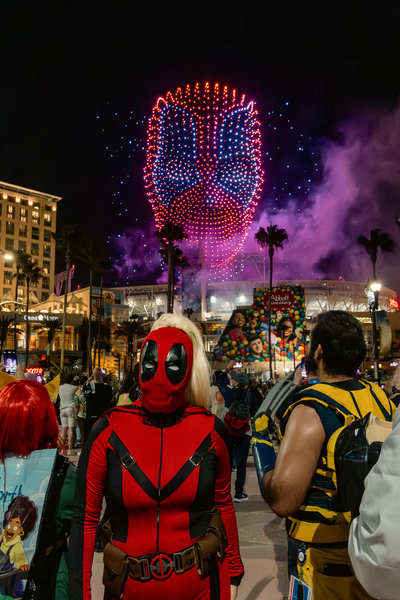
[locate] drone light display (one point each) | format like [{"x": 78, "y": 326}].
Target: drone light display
[{"x": 203, "y": 167}]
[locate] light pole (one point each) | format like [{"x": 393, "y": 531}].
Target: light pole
[
  {"x": 376, "y": 288},
  {"x": 372, "y": 291}
]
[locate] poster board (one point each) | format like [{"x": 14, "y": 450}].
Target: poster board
[
  {"x": 245, "y": 337},
  {"x": 24, "y": 483}
]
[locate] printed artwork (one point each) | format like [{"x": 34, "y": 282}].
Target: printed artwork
[
  {"x": 22, "y": 493},
  {"x": 245, "y": 338}
]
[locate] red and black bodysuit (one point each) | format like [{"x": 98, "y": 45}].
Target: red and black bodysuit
[{"x": 162, "y": 466}]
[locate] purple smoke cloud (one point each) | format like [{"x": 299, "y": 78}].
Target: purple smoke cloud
[{"x": 360, "y": 191}]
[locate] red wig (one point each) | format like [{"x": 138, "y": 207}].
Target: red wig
[{"x": 28, "y": 418}]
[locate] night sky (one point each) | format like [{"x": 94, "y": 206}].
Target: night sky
[{"x": 79, "y": 80}]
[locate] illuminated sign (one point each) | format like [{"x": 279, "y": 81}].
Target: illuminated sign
[
  {"x": 281, "y": 299},
  {"x": 40, "y": 317},
  {"x": 35, "y": 370},
  {"x": 108, "y": 297},
  {"x": 394, "y": 303}
]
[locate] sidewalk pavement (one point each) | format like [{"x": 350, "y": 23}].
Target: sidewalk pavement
[{"x": 263, "y": 547}]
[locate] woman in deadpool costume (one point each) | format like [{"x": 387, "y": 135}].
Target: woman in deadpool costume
[{"x": 162, "y": 464}]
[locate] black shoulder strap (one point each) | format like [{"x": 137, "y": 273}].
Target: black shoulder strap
[
  {"x": 132, "y": 467},
  {"x": 144, "y": 482}
]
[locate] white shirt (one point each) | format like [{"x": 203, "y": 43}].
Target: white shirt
[
  {"x": 374, "y": 542},
  {"x": 67, "y": 393}
]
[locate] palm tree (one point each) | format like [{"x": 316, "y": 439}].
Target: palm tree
[
  {"x": 91, "y": 256},
  {"x": 171, "y": 254},
  {"x": 31, "y": 273},
  {"x": 379, "y": 241},
  {"x": 272, "y": 238},
  {"x": 129, "y": 329},
  {"x": 6, "y": 326},
  {"x": 69, "y": 241},
  {"x": 21, "y": 258},
  {"x": 188, "y": 313},
  {"x": 102, "y": 265},
  {"x": 51, "y": 328}
]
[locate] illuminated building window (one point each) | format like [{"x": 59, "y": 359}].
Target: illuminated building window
[
  {"x": 9, "y": 244},
  {"x": 35, "y": 233},
  {"x": 7, "y": 277},
  {"x": 21, "y": 292},
  {"x": 47, "y": 236},
  {"x": 47, "y": 251},
  {"x": 23, "y": 230},
  {"x": 10, "y": 212},
  {"x": 47, "y": 220},
  {"x": 46, "y": 283},
  {"x": 35, "y": 217},
  {"x": 10, "y": 228},
  {"x": 8, "y": 264},
  {"x": 35, "y": 249},
  {"x": 22, "y": 245},
  {"x": 22, "y": 217},
  {"x": 46, "y": 267}
]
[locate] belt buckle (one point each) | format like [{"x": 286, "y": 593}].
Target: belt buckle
[
  {"x": 196, "y": 459},
  {"x": 161, "y": 566},
  {"x": 178, "y": 568},
  {"x": 127, "y": 461},
  {"x": 145, "y": 572}
]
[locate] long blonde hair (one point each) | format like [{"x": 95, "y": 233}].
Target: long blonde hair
[{"x": 198, "y": 391}]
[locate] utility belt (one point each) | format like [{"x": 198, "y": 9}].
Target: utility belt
[{"x": 118, "y": 566}]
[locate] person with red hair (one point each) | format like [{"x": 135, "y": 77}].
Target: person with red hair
[
  {"x": 28, "y": 422},
  {"x": 28, "y": 419}
]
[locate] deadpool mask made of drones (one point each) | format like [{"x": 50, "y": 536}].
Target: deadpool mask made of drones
[{"x": 166, "y": 364}]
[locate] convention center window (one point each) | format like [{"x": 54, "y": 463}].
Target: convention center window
[
  {"x": 35, "y": 249},
  {"x": 23, "y": 212},
  {"x": 23, "y": 230},
  {"x": 46, "y": 267},
  {"x": 9, "y": 244},
  {"x": 47, "y": 220},
  {"x": 10, "y": 212},
  {"x": 47, "y": 251},
  {"x": 35, "y": 233},
  {"x": 22, "y": 245},
  {"x": 46, "y": 283},
  {"x": 35, "y": 217},
  {"x": 47, "y": 236}
]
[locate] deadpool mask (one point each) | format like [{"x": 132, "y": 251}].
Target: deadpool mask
[{"x": 166, "y": 362}]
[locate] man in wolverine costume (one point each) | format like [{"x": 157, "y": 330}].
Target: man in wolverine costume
[{"x": 163, "y": 465}]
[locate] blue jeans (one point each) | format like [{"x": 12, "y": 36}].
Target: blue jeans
[{"x": 241, "y": 452}]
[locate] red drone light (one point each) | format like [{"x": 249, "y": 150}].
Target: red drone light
[{"x": 204, "y": 167}]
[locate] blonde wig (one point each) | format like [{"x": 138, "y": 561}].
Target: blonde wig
[{"x": 198, "y": 391}]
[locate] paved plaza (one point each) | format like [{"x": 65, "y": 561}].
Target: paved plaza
[{"x": 262, "y": 544}]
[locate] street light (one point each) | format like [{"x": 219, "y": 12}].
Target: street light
[{"x": 373, "y": 298}]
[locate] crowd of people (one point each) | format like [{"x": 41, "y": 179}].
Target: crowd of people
[{"x": 152, "y": 489}]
